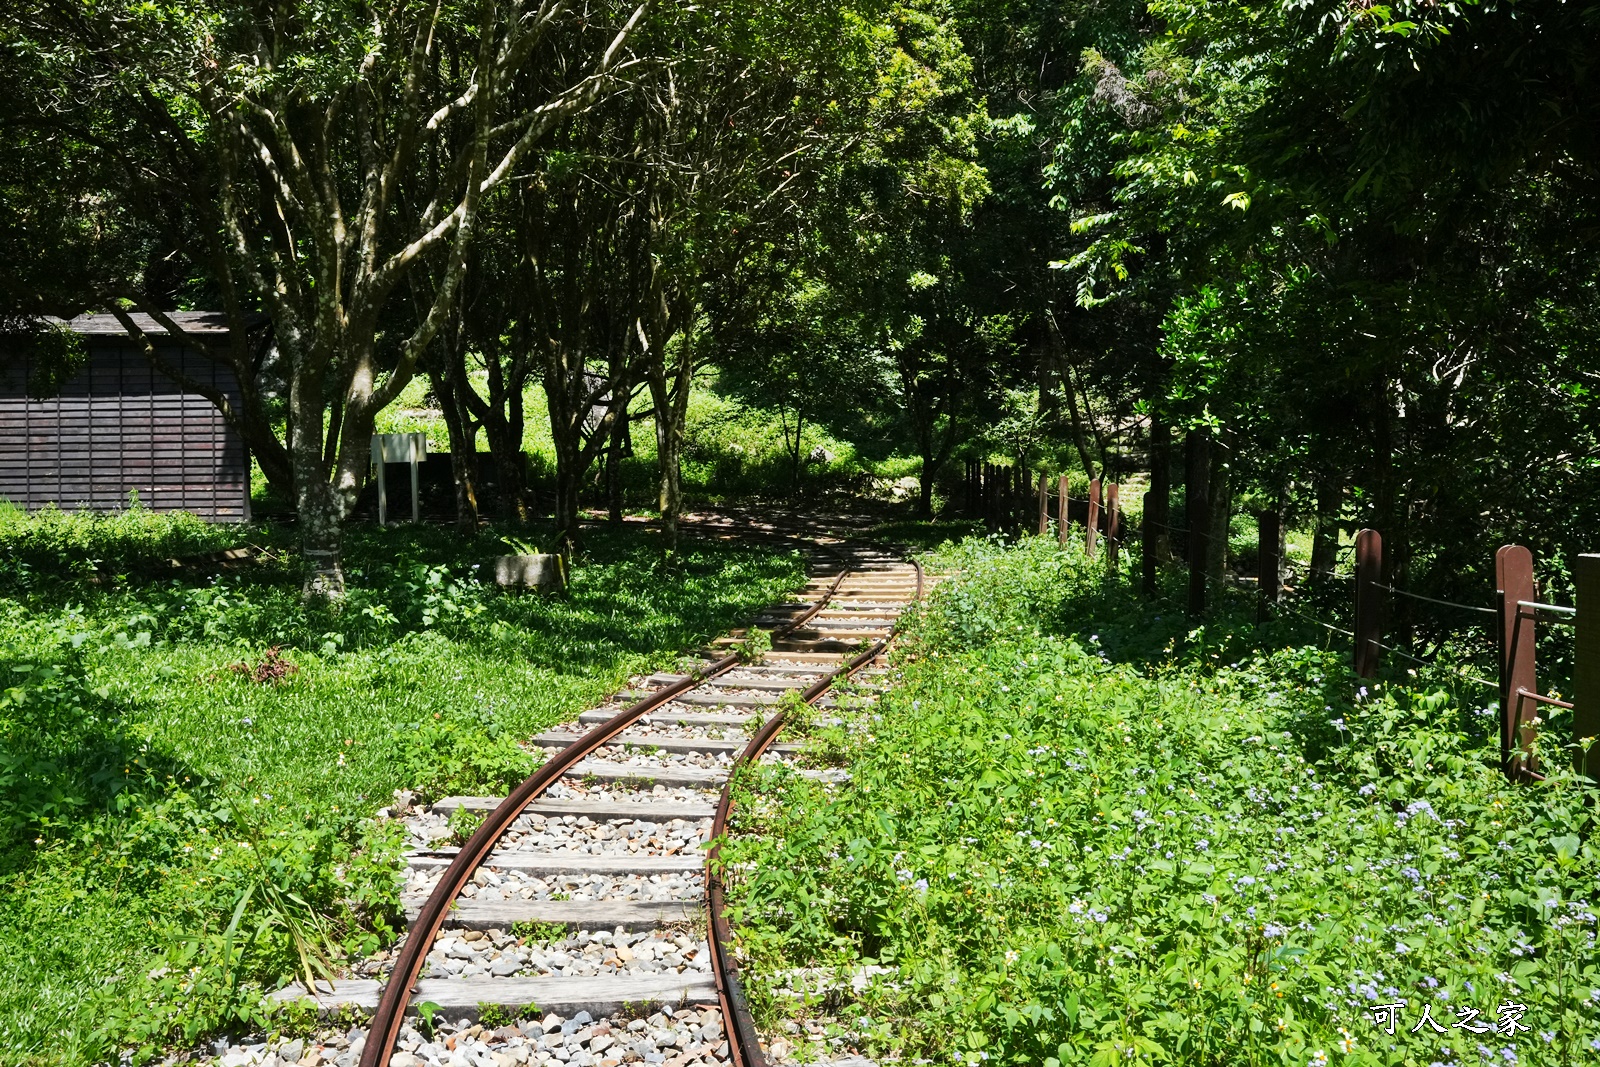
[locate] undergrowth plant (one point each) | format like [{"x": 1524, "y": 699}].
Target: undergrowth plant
[
  {"x": 191, "y": 764},
  {"x": 1087, "y": 830}
]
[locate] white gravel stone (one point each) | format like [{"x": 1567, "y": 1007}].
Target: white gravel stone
[
  {"x": 519, "y": 885},
  {"x": 584, "y": 954}
]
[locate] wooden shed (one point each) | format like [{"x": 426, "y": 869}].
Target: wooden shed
[{"x": 119, "y": 427}]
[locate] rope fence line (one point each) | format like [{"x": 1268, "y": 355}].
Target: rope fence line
[
  {"x": 1523, "y": 694},
  {"x": 1569, "y": 615},
  {"x": 1402, "y": 653},
  {"x": 1317, "y": 621},
  {"x": 1434, "y": 600}
]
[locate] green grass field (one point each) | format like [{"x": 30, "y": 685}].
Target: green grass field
[{"x": 186, "y": 810}]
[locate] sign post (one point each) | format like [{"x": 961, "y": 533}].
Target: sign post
[{"x": 409, "y": 448}]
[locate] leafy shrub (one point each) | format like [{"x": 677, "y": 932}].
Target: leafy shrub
[
  {"x": 272, "y": 669},
  {"x": 466, "y": 753},
  {"x": 255, "y": 894},
  {"x": 56, "y": 542}
]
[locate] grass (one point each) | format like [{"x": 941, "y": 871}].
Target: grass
[
  {"x": 732, "y": 450},
  {"x": 924, "y": 534},
  {"x": 1086, "y": 830},
  {"x": 189, "y": 817}
]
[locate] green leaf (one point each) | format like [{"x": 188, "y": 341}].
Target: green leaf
[{"x": 1567, "y": 848}]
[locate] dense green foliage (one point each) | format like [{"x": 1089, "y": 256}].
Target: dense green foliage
[
  {"x": 647, "y": 253},
  {"x": 1085, "y": 831},
  {"x": 1348, "y": 246},
  {"x": 191, "y": 765}
]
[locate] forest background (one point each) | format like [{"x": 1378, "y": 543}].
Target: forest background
[
  {"x": 1332, "y": 259},
  {"x": 1344, "y": 251}
]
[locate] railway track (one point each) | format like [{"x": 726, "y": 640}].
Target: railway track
[{"x": 581, "y": 916}]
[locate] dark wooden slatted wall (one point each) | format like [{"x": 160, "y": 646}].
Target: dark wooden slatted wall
[{"x": 119, "y": 427}]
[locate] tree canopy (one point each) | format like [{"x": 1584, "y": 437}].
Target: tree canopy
[{"x": 1349, "y": 245}]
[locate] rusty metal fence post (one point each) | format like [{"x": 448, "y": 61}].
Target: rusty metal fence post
[
  {"x": 1513, "y": 579},
  {"x": 1113, "y": 528},
  {"x": 1586, "y": 664},
  {"x": 1061, "y": 510},
  {"x": 1094, "y": 517},
  {"x": 1044, "y": 504},
  {"x": 1369, "y": 605}
]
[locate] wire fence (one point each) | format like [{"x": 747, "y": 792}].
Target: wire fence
[
  {"x": 1433, "y": 600},
  {"x": 1568, "y": 615},
  {"x": 1313, "y": 619},
  {"x": 1393, "y": 650}
]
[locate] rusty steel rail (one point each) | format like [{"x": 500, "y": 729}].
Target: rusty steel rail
[
  {"x": 744, "y": 1044},
  {"x": 390, "y": 1016}
]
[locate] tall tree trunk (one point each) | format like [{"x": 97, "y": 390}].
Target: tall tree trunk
[
  {"x": 1218, "y": 521},
  {"x": 568, "y": 477},
  {"x": 503, "y": 424},
  {"x": 1155, "y": 534},
  {"x": 669, "y": 389},
  {"x": 1080, "y": 436},
  {"x": 568, "y": 395},
  {"x": 515, "y": 498},
  {"x": 796, "y": 463},
  {"x": 669, "y": 498},
  {"x": 320, "y": 511},
  {"x": 1158, "y": 512},
  {"x": 1325, "y": 537},
  {"x": 925, "y": 488},
  {"x": 1393, "y": 513},
  {"x": 1196, "y": 512},
  {"x": 321, "y": 541},
  {"x": 463, "y": 446},
  {"x": 614, "y": 457}
]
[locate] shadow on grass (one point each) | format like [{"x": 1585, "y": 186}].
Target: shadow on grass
[{"x": 65, "y": 765}]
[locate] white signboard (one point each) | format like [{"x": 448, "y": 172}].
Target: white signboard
[{"x": 409, "y": 448}]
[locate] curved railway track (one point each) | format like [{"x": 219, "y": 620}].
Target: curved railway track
[{"x": 587, "y": 889}]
